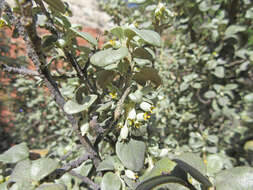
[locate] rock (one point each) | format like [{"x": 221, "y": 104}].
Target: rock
[{"x": 87, "y": 14}]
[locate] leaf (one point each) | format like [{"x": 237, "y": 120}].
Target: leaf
[
  {"x": 131, "y": 154},
  {"x": 56, "y": 4},
  {"x": 53, "y": 186},
  {"x": 84, "y": 169},
  {"x": 136, "y": 1},
  {"x": 210, "y": 94},
  {"x": 15, "y": 154},
  {"x": 193, "y": 172},
  {"x": 216, "y": 163},
  {"x": 142, "y": 53},
  {"x": 205, "y": 5},
  {"x": 109, "y": 56},
  {"x": 103, "y": 107},
  {"x": 85, "y": 36},
  {"x": 238, "y": 178},
  {"x": 21, "y": 172},
  {"x": 110, "y": 181},
  {"x": 3, "y": 186},
  {"x": 107, "y": 164},
  {"x": 234, "y": 29},
  {"x": 248, "y": 98},
  {"x": 194, "y": 160},
  {"x": 159, "y": 180},
  {"x": 184, "y": 86},
  {"x": 149, "y": 36},
  {"x": 42, "y": 167},
  {"x": 104, "y": 78},
  {"x": 118, "y": 31},
  {"x": 148, "y": 74},
  {"x": 72, "y": 107},
  {"x": 136, "y": 96},
  {"x": 219, "y": 72},
  {"x": 248, "y": 146},
  {"x": 165, "y": 165}
]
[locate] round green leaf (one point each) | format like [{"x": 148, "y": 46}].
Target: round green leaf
[
  {"x": 136, "y": 96},
  {"x": 148, "y": 74},
  {"x": 72, "y": 107},
  {"x": 149, "y": 36},
  {"x": 85, "y": 168},
  {"x": 238, "y": 178},
  {"x": 107, "y": 164},
  {"x": 15, "y": 154},
  {"x": 248, "y": 98},
  {"x": 142, "y": 53},
  {"x": 165, "y": 165},
  {"x": 233, "y": 29},
  {"x": 109, "y": 56},
  {"x": 52, "y": 187},
  {"x": 56, "y": 4},
  {"x": 21, "y": 172},
  {"x": 215, "y": 163},
  {"x": 131, "y": 154},
  {"x": 42, "y": 167},
  {"x": 210, "y": 94},
  {"x": 117, "y": 31},
  {"x": 85, "y": 36},
  {"x": 110, "y": 181},
  {"x": 104, "y": 78},
  {"x": 219, "y": 72}
]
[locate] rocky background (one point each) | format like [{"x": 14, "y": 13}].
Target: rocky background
[{"x": 87, "y": 14}]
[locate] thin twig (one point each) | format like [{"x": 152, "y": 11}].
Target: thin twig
[
  {"x": 118, "y": 111},
  {"x": 76, "y": 163},
  {"x": 120, "y": 104},
  {"x": 85, "y": 179},
  {"x": 22, "y": 71}
]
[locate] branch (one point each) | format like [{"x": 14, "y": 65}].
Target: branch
[
  {"x": 22, "y": 71},
  {"x": 75, "y": 163},
  {"x": 120, "y": 103},
  {"x": 85, "y": 179},
  {"x": 35, "y": 53},
  {"x": 118, "y": 110}
]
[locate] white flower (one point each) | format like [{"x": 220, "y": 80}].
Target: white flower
[
  {"x": 124, "y": 132},
  {"x": 130, "y": 174},
  {"x": 132, "y": 114}
]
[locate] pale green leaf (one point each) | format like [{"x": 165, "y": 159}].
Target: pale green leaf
[
  {"x": 15, "y": 154},
  {"x": 165, "y": 165},
  {"x": 85, "y": 36},
  {"x": 210, "y": 94},
  {"x": 131, "y": 154},
  {"x": 238, "y": 178},
  {"x": 109, "y": 56},
  {"x": 52, "y": 186},
  {"x": 149, "y": 36},
  {"x": 42, "y": 167},
  {"x": 148, "y": 74},
  {"x": 56, "y": 4},
  {"x": 72, "y": 107},
  {"x": 234, "y": 29},
  {"x": 21, "y": 172},
  {"x": 110, "y": 181}
]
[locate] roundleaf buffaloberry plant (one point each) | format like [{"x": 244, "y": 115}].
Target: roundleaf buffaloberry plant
[{"x": 158, "y": 106}]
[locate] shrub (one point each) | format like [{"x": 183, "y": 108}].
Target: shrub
[{"x": 143, "y": 113}]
